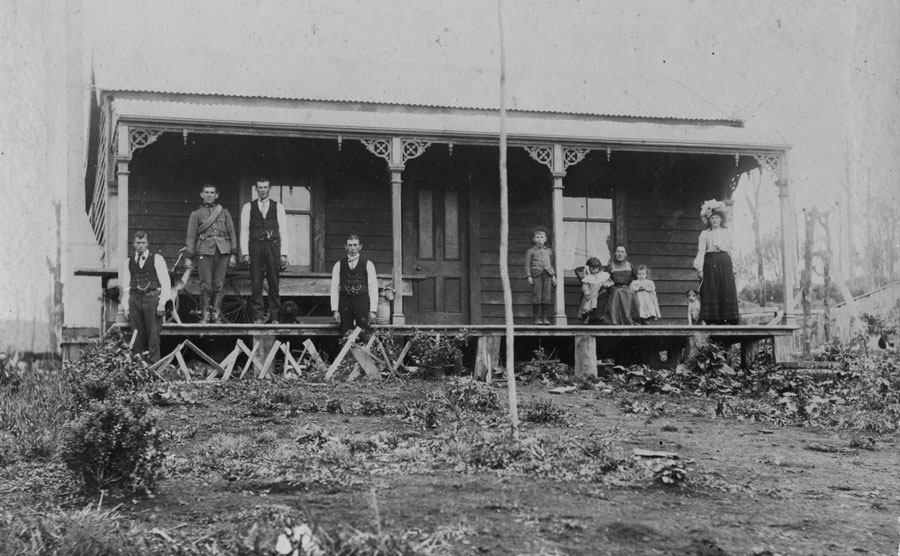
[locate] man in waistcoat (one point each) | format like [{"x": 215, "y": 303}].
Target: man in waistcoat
[
  {"x": 211, "y": 240},
  {"x": 146, "y": 287},
  {"x": 264, "y": 246},
  {"x": 354, "y": 288}
]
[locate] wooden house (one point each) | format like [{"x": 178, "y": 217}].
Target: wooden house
[{"x": 419, "y": 184}]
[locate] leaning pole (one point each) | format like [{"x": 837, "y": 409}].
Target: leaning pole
[{"x": 504, "y": 241}]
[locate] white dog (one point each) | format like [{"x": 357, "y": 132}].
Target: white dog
[{"x": 693, "y": 308}]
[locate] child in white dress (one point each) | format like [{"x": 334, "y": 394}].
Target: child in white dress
[
  {"x": 645, "y": 294},
  {"x": 593, "y": 286}
]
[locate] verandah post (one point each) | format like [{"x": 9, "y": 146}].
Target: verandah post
[
  {"x": 558, "y": 173},
  {"x": 396, "y": 167},
  {"x": 119, "y": 250}
]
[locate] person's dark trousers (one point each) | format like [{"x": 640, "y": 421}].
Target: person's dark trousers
[
  {"x": 265, "y": 258},
  {"x": 354, "y": 310},
  {"x": 212, "y": 270},
  {"x": 143, "y": 318}
]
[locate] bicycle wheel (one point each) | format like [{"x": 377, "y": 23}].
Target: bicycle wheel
[{"x": 235, "y": 300}]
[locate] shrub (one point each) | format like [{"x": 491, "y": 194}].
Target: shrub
[
  {"x": 464, "y": 393},
  {"x": 106, "y": 370},
  {"x": 114, "y": 444}
]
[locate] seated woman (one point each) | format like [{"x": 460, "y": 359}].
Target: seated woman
[
  {"x": 621, "y": 308},
  {"x": 595, "y": 294}
]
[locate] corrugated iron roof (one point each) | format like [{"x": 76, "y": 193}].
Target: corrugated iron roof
[{"x": 406, "y": 83}]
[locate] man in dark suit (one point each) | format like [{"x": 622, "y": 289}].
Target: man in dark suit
[
  {"x": 265, "y": 247},
  {"x": 146, "y": 287},
  {"x": 354, "y": 288}
]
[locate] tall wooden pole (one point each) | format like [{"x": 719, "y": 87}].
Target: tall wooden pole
[{"x": 504, "y": 241}]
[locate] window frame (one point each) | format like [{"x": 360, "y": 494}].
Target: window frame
[
  {"x": 279, "y": 188},
  {"x": 612, "y": 220}
]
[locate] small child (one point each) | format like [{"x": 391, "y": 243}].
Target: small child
[
  {"x": 593, "y": 286},
  {"x": 645, "y": 296},
  {"x": 541, "y": 275}
]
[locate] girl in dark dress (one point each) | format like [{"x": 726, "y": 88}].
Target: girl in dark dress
[
  {"x": 718, "y": 294},
  {"x": 621, "y": 307}
]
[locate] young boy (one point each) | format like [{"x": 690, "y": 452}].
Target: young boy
[{"x": 541, "y": 275}]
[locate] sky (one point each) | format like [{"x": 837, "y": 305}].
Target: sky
[{"x": 821, "y": 75}]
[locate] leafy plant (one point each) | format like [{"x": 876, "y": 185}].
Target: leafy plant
[
  {"x": 115, "y": 443},
  {"x": 33, "y": 412},
  {"x": 105, "y": 370},
  {"x": 544, "y": 411},
  {"x": 436, "y": 350},
  {"x": 465, "y": 393},
  {"x": 543, "y": 368}
]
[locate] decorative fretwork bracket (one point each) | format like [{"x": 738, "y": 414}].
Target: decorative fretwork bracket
[
  {"x": 573, "y": 155},
  {"x": 543, "y": 154},
  {"x": 142, "y": 137},
  {"x": 770, "y": 162},
  {"x": 383, "y": 147},
  {"x": 413, "y": 148},
  {"x": 380, "y": 147}
]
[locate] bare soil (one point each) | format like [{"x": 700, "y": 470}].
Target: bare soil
[{"x": 751, "y": 488}]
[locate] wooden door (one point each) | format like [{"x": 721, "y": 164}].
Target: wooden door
[{"x": 440, "y": 250}]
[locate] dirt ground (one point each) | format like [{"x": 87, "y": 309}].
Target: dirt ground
[{"x": 751, "y": 488}]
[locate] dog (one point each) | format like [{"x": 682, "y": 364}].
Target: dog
[{"x": 693, "y": 308}]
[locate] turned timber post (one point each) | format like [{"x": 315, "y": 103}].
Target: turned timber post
[
  {"x": 118, "y": 250},
  {"x": 396, "y": 151}
]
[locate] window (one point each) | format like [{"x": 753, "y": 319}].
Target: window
[
  {"x": 297, "y": 201},
  {"x": 587, "y": 230}
]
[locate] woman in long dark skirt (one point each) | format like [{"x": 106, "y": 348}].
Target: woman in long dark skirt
[
  {"x": 622, "y": 306},
  {"x": 718, "y": 294}
]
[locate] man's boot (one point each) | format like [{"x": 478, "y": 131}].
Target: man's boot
[
  {"x": 536, "y": 309},
  {"x": 545, "y": 314},
  {"x": 216, "y": 314},
  {"x": 204, "y": 308}
]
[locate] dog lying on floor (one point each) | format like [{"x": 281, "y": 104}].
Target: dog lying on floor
[{"x": 693, "y": 308}]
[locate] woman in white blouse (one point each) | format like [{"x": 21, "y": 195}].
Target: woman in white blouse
[{"x": 718, "y": 294}]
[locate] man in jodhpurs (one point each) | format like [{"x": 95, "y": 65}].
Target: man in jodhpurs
[
  {"x": 145, "y": 287},
  {"x": 210, "y": 239},
  {"x": 354, "y": 288},
  {"x": 263, "y": 245}
]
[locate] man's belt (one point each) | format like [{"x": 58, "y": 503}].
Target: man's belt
[
  {"x": 211, "y": 236},
  {"x": 268, "y": 236}
]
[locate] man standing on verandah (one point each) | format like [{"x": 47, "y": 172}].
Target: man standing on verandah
[
  {"x": 354, "y": 288},
  {"x": 210, "y": 239},
  {"x": 265, "y": 248},
  {"x": 146, "y": 287}
]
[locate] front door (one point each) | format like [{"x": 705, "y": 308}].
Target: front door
[{"x": 440, "y": 250}]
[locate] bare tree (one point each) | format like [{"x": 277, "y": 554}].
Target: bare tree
[{"x": 504, "y": 240}]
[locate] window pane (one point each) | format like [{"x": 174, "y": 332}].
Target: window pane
[
  {"x": 426, "y": 224},
  {"x": 451, "y": 224},
  {"x": 600, "y": 208},
  {"x": 574, "y": 207},
  {"x": 583, "y": 240},
  {"x": 295, "y": 198},
  {"x": 298, "y": 226},
  {"x": 598, "y": 240}
]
